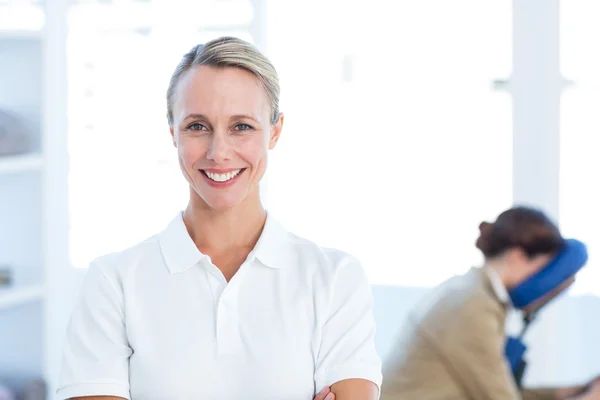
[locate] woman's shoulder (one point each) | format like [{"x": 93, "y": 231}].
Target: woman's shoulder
[
  {"x": 308, "y": 246},
  {"x": 464, "y": 289},
  {"x": 323, "y": 259},
  {"x": 458, "y": 298},
  {"x": 117, "y": 264}
]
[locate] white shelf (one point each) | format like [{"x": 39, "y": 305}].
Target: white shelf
[
  {"x": 20, "y": 163},
  {"x": 20, "y": 34},
  {"x": 11, "y": 297}
]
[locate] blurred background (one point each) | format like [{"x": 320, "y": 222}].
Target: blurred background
[{"x": 407, "y": 123}]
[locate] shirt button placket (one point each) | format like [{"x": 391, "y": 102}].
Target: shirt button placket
[{"x": 227, "y": 327}]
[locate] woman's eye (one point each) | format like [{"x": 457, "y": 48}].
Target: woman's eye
[
  {"x": 197, "y": 127},
  {"x": 243, "y": 127}
]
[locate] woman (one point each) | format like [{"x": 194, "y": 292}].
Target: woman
[
  {"x": 453, "y": 344},
  {"x": 224, "y": 303}
]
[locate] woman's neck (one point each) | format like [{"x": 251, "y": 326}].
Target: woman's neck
[
  {"x": 499, "y": 266},
  {"x": 218, "y": 232}
]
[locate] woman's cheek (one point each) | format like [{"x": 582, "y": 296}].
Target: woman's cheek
[
  {"x": 253, "y": 148},
  {"x": 190, "y": 151}
]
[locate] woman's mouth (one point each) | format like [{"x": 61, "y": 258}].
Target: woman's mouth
[{"x": 222, "y": 177}]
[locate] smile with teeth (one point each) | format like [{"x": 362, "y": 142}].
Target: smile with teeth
[{"x": 222, "y": 177}]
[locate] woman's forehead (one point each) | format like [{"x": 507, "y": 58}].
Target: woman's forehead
[{"x": 221, "y": 92}]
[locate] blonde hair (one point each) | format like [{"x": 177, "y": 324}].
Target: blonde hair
[{"x": 226, "y": 52}]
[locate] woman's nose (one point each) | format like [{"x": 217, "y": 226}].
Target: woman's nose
[{"x": 219, "y": 148}]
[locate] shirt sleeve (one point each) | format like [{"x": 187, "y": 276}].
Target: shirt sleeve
[
  {"x": 96, "y": 351},
  {"x": 347, "y": 347}
]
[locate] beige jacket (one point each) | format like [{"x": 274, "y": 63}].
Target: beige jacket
[{"x": 452, "y": 347}]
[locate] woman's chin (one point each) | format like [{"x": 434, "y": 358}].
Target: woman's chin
[
  {"x": 222, "y": 202},
  {"x": 221, "y": 199}
]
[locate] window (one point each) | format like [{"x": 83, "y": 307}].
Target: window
[
  {"x": 124, "y": 179},
  {"x": 580, "y": 124},
  {"x": 395, "y": 146}
]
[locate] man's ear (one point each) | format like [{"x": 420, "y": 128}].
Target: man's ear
[{"x": 276, "y": 132}]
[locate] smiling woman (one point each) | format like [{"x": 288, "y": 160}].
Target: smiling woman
[
  {"x": 224, "y": 302},
  {"x": 222, "y": 150}
]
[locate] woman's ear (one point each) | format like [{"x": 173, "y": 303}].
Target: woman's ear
[
  {"x": 173, "y": 136},
  {"x": 517, "y": 256},
  {"x": 276, "y": 132}
]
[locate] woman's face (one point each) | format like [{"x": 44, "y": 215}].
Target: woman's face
[
  {"x": 519, "y": 266},
  {"x": 222, "y": 130},
  {"x": 525, "y": 267}
]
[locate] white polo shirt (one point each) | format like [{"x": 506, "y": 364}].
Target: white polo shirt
[{"x": 159, "y": 321}]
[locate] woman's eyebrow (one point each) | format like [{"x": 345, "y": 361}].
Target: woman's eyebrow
[
  {"x": 195, "y": 116},
  {"x": 244, "y": 116},
  {"x": 204, "y": 117}
]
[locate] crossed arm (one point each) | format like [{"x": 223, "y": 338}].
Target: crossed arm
[
  {"x": 348, "y": 389},
  {"x": 355, "y": 389}
]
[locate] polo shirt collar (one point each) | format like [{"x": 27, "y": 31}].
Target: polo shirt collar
[
  {"x": 273, "y": 248},
  {"x": 177, "y": 247},
  {"x": 180, "y": 252}
]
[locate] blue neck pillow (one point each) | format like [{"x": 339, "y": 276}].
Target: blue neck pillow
[{"x": 566, "y": 264}]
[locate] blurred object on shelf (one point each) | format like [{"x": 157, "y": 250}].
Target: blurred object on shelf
[
  {"x": 14, "y": 138},
  {"x": 5, "y": 276},
  {"x": 35, "y": 390}
]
